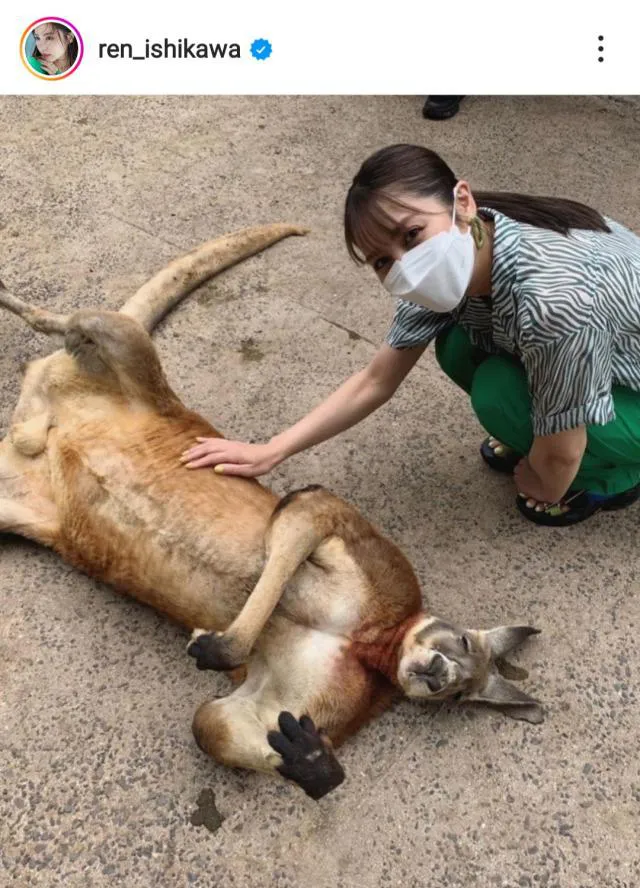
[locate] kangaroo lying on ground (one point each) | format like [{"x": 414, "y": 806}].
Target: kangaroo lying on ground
[{"x": 323, "y": 611}]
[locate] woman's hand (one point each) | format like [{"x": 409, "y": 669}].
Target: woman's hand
[
  {"x": 49, "y": 67},
  {"x": 546, "y": 474},
  {"x": 231, "y": 457},
  {"x": 551, "y": 465},
  {"x": 529, "y": 484}
]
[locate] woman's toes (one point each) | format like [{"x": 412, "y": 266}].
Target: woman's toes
[
  {"x": 538, "y": 505},
  {"x": 498, "y": 447}
]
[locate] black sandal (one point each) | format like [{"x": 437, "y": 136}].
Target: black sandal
[
  {"x": 504, "y": 463},
  {"x": 581, "y": 505}
]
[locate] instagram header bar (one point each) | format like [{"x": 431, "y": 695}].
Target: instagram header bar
[{"x": 329, "y": 48}]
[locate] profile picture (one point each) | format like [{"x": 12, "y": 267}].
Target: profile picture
[{"x": 51, "y": 48}]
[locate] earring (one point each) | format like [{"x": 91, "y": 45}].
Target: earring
[{"x": 477, "y": 232}]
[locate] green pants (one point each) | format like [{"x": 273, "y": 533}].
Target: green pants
[{"x": 501, "y": 400}]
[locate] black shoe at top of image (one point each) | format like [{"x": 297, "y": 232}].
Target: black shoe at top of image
[{"x": 441, "y": 107}]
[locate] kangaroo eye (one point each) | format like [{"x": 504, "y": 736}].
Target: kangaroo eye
[{"x": 466, "y": 644}]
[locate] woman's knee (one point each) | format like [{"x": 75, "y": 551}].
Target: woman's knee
[
  {"x": 450, "y": 346},
  {"x": 457, "y": 356},
  {"x": 500, "y": 395}
]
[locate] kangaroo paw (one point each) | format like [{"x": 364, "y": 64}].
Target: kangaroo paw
[
  {"x": 212, "y": 650},
  {"x": 307, "y": 756}
]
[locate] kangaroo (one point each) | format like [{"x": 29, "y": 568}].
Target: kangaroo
[{"x": 317, "y": 612}]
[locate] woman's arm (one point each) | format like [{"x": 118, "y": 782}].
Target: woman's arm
[
  {"x": 552, "y": 464},
  {"x": 570, "y": 379},
  {"x": 356, "y": 398}
]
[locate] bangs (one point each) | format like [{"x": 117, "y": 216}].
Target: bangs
[{"x": 368, "y": 225}]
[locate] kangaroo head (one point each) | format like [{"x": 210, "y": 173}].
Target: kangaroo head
[{"x": 439, "y": 661}]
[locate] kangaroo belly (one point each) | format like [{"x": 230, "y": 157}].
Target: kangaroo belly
[
  {"x": 155, "y": 531},
  {"x": 328, "y": 592}
]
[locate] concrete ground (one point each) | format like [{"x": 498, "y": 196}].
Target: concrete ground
[{"x": 99, "y": 772}]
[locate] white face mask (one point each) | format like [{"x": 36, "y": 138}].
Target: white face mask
[{"x": 435, "y": 273}]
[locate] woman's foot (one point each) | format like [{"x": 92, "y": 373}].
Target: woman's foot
[
  {"x": 575, "y": 507},
  {"x": 498, "y": 456}
]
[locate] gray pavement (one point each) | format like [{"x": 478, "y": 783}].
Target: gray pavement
[{"x": 99, "y": 774}]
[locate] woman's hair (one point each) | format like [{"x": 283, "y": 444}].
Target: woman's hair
[
  {"x": 72, "y": 47},
  {"x": 412, "y": 169}
]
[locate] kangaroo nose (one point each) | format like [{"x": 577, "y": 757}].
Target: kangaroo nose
[
  {"x": 434, "y": 673},
  {"x": 436, "y": 666}
]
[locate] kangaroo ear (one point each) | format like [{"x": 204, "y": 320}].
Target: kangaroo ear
[
  {"x": 502, "y": 639},
  {"x": 512, "y": 701}
]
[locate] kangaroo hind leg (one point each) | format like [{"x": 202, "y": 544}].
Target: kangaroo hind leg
[{"x": 236, "y": 734}]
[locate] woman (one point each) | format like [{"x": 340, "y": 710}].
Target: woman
[
  {"x": 56, "y": 49},
  {"x": 534, "y": 306}
]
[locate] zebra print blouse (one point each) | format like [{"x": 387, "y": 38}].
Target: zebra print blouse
[{"x": 568, "y": 307}]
